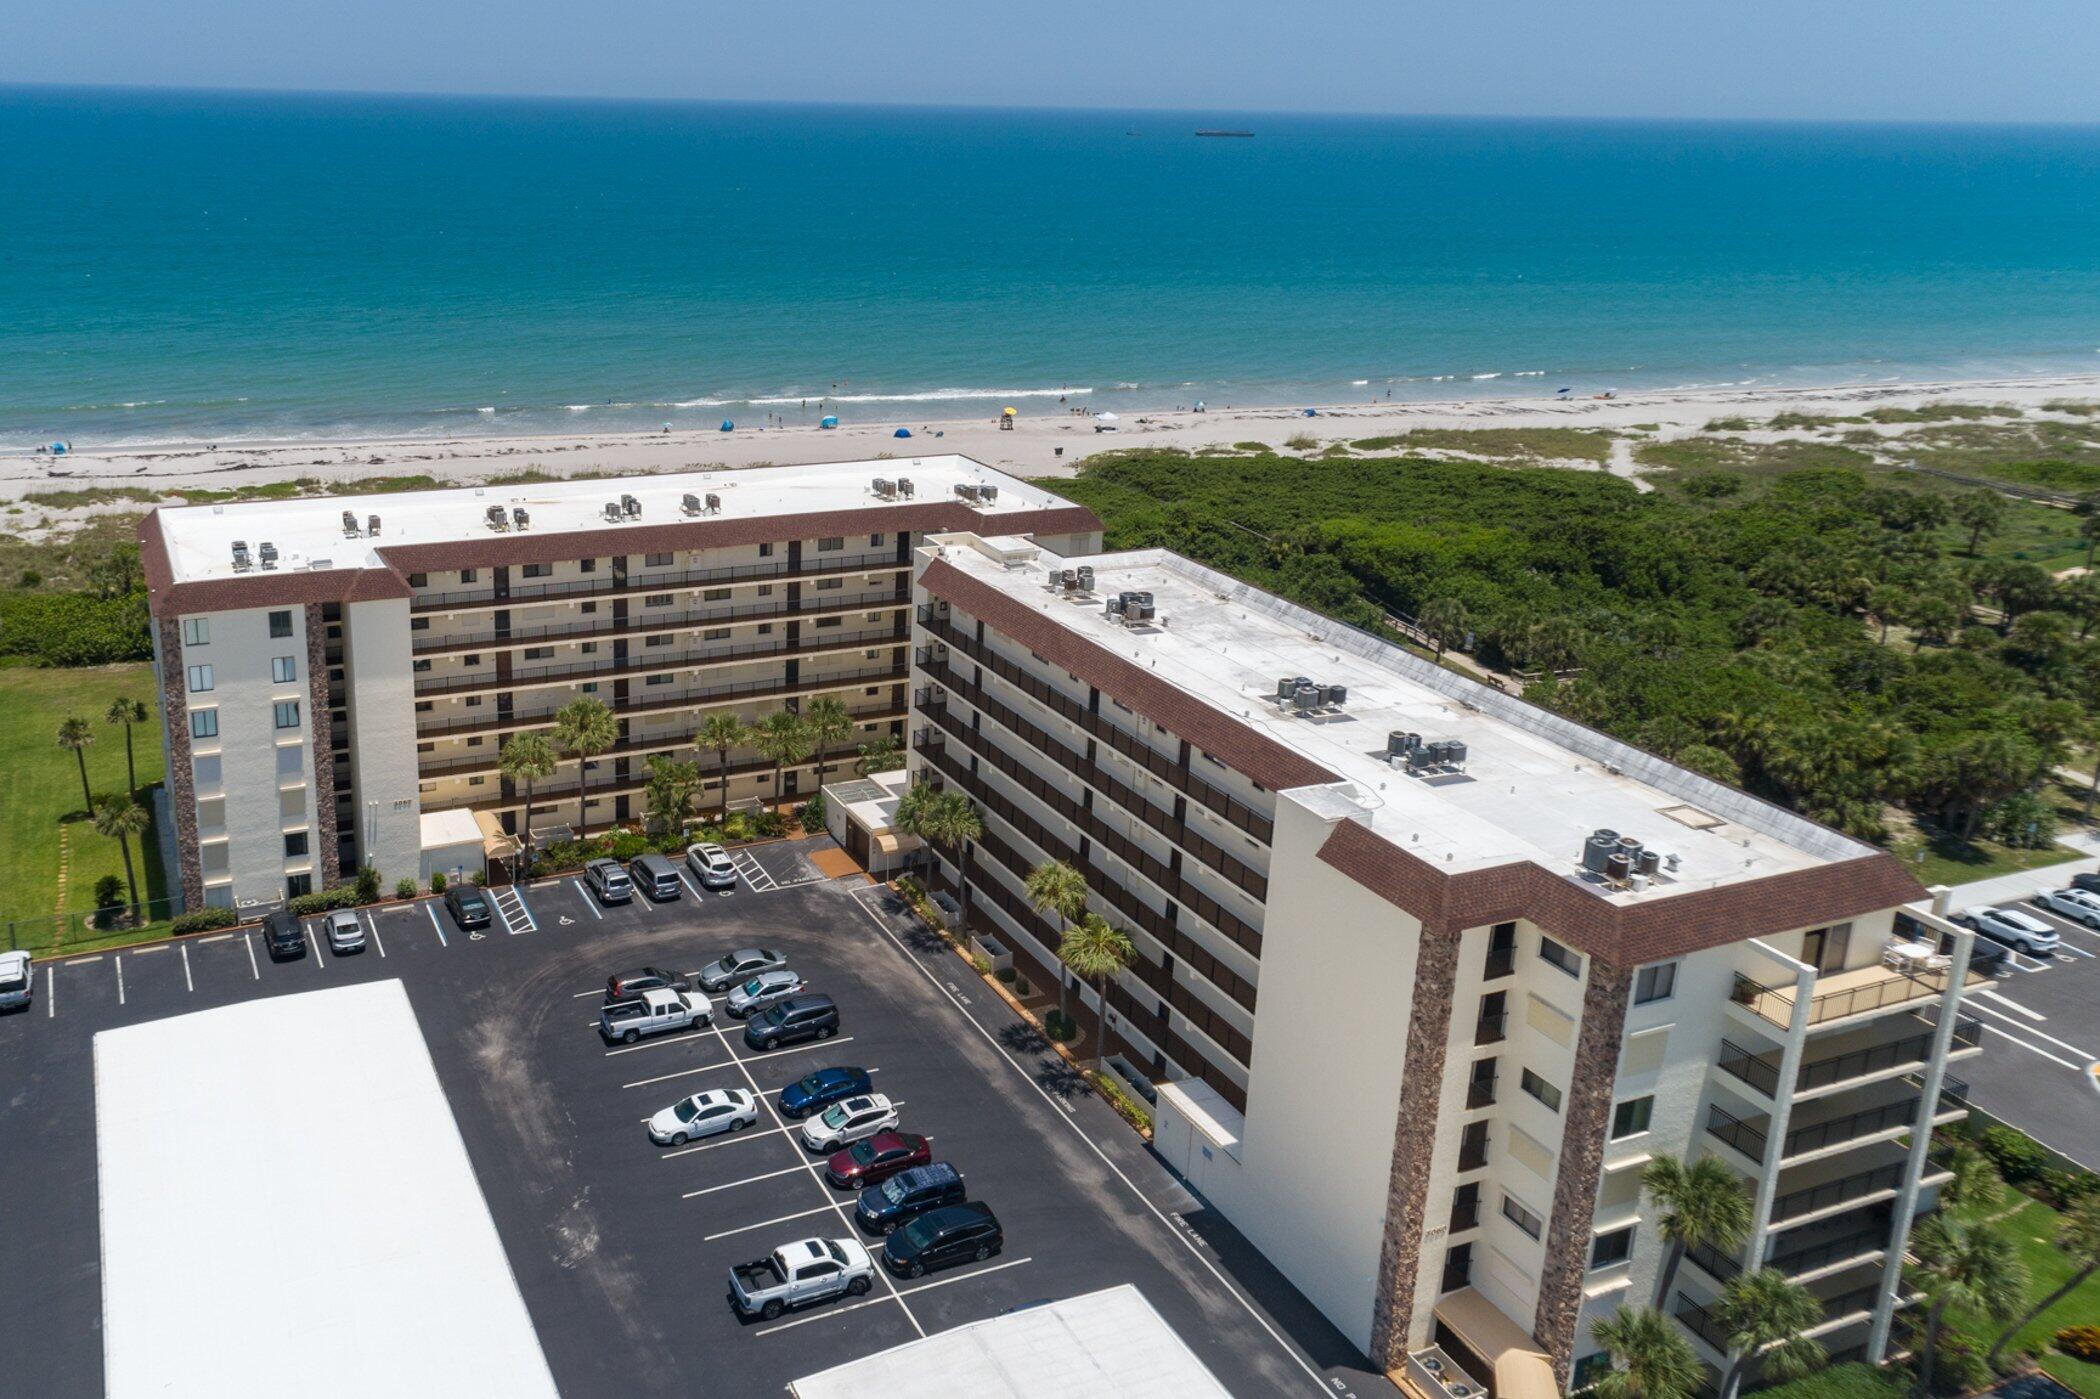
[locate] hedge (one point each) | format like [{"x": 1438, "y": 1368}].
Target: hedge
[
  {"x": 71, "y": 629},
  {"x": 321, "y": 901},
  {"x": 203, "y": 920}
]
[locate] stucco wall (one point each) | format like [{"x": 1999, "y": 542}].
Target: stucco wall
[{"x": 386, "y": 815}]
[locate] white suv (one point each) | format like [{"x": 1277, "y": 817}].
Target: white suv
[
  {"x": 711, "y": 866},
  {"x": 2015, "y": 929},
  {"x": 17, "y": 981},
  {"x": 2078, "y": 905},
  {"x": 844, "y": 1123}
]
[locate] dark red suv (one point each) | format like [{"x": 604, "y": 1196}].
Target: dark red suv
[{"x": 877, "y": 1158}]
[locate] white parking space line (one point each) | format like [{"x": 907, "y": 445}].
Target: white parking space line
[
  {"x": 187, "y": 981},
  {"x": 919, "y": 1287},
  {"x": 759, "y": 1135},
  {"x": 249, "y": 940},
  {"x": 763, "y": 1223},
  {"x": 436, "y": 926},
  {"x": 588, "y": 902},
  {"x": 659, "y": 1043},
  {"x": 217, "y": 937},
  {"x": 142, "y": 951},
  {"x": 1319, "y": 1381},
  {"x": 314, "y": 941},
  {"x": 690, "y": 887},
  {"x": 372, "y": 925},
  {"x": 1999, "y": 1000},
  {"x": 747, "y": 1180},
  {"x": 50, "y": 993},
  {"x": 2031, "y": 1049},
  {"x": 2029, "y": 1030},
  {"x": 120, "y": 978},
  {"x": 514, "y": 911},
  {"x": 830, "y": 1312},
  {"x": 710, "y": 1068},
  {"x": 83, "y": 961}
]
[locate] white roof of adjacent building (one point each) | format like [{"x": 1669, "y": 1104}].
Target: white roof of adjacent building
[
  {"x": 1534, "y": 784},
  {"x": 284, "y": 1194},
  {"x": 308, "y": 533},
  {"x": 1109, "y": 1344},
  {"x": 443, "y": 829}
]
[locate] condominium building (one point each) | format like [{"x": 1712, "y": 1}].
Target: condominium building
[
  {"x": 1426, "y": 976},
  {"x": 334, "y": 670}
]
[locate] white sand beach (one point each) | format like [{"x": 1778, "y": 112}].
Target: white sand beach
[{"x": 1048, "y": 443}]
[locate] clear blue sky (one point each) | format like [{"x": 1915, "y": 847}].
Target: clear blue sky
[{"x": 1952, "y": 60}]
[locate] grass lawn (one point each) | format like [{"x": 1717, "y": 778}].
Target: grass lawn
[
  {"x": 1854, "y": 1380},
  {"x": 2032, "y": 1229},
  {"x": 1936, "y": 858},
  {"x": 42, "y": 805}
]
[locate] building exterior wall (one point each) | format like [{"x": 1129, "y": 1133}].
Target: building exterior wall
[{"x": 386, "y": 812}]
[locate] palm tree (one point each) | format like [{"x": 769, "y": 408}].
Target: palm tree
[
  {"x": 120, "y": 819},
  {"x": 527, "y": 758},
  {"x": 1097, "y": 951},
  {"x": 1056, "y": 887},
  {"x": 127, "y": 711},
  {"x": 1976, "y": 1179},
  {"x": 75, "y": 734},
  {"x": 829, "y": 725},
  {"x": 1765, "y": 1308},
  {"x": 951, "y": 819},
  {"x": 1444, "y": 618},
  {"x": 1703, "y": 1203},
  {"x": 784, "y": 737},
  {"x": 879, "y": 755},
  {"x": 2077, "y": 1238},
  {"x": 669, "y": 795},
  {"x": 584, "y": 728},
  {"x": 1971, "y": 1267},
  {"x": 1651, "y": 1359},
  {"x": 721, "y": 732},
  {"x": 1979, "y": 512},
  {"x": 910, "y": 818}
]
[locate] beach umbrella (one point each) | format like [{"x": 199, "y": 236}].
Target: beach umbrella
[
  {"x": 1107, "y": 417},
  {"x": 901, "y": 432},
  {"x": 1009, "y": 412},
  {"x": 830, "y": 420},
  {"x": 728, "y": 426}
]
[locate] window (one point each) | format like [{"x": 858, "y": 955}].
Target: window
[
  {"x": 419, "y": 624},
  {"x": 1540, "y": 1089},
  {"x": 830, "y": 621},
  {"x": 1613, "y": 1248},
  {"x": 588, "y": 648},
  {"x": 831, "y": 545},
  {"x": 714, "y": 595},
  {"x": 1656, "y": 983},
  {"x": 874, "y": 541},
  {"x": 588, "y": 609},
  {"x": 284, "y": 669},
  {"x": 765, "y": 551},
  {"x": 472, "y": 701},
  {"x": 477, "y": 781},
  {"x": 1590, "y": 1369},
  {"x": 204, "y": 723},
  {"x": 298, "y": 886},
  {"x": 470, "y": 660},
  {"x": 196, "y": 631},
  {"x": 765, "y": 590},
  {"x": 468, "y": 575},
  {"x": 657, "y": 600},
  {"x": 424, "y": 707},
  {"x": 294, "y": 844},
  {"x": 426, "y": 748},
  {"x": 538, "y": 653},
  {"x": 420, "y": 667},
  {"x": 658, "y": 560},
  {"x": 659, "y": 679},
  {"x": 658, "y": 640},
  {"x": 418, "y": 580},
  {"x": 474, "y": 742},
  {"x": 1554, "y": 955},
  {"x": 287, "y": 713},
  {"x": 1523, "y": 1218},
  {"x": 280, "y": 624},
  {"x": 826, "y": 585},
  {"x": 587, "y": 566},
  {"x": 200, "y": 679},
  {"x": 1630, "y": 1118},
  {"x": 715, "y": 634}
]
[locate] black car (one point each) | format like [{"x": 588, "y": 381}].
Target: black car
[
  {"x": 2088, "y": 882},
  {"x": 966, "y": 1233},
  {"x": 625, "y": 986},
  {"x": 470, "y": 907},
  {"x": 890, "y": 1205},
  {"x": 796, "y": 1018},
  {"x": 282, "y": 935}
]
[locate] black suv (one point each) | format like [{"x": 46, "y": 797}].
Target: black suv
[
  {"x": 951, "y": 1234},
  {"x": 282, "y": 936},
  {"x": 796, "y": 1018},
  {"x": 469, "y": 905}
]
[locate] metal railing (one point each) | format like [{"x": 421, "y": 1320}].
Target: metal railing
[
  {"x": 1465, "y": 1213},
  {"x": 1811, "y": 1257},
  {"x": 601, "y": 585},
  {"x": 1501, "y": 962},
  {"x": 642, "y": 623},
  {"x": 1859, "y": 1299},
  {"x": 1718, "y": 1265},
  {"x": 1472, "y": 1155},
  {"x": 1749, "y": 1140},
  {"x": 1480, "y": 1092},
  {"x": 1896, "y": 988},
  {"x": 687, "y": 698},
  {"x": 1701, "y": 1323},
  {"x": 1490, "y": 1028},
  {"x": 611, "y": 670},
  {"x": 1819, "y": 1135},
  {"x": 1795, "y": 1203},
  {"x": 1761, "y": 1071}
]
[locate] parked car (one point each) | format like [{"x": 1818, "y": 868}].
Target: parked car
[
  {"x": 823, "y": 1088},
  {"x": 283, "y": 938},
  {"x": 951, "y": 1234},
  {"x": 470, "y": 907},
  {"x": 655, "y": 1013},
  {"x": 804, "y": 1017},
  {"x": 2088, "y": 882},
  {"x": 625, "y": 986},
  {"x": 1985, "y": 956},
  {"x": 849, "y": 1121},
  {"x": 797, "y": 1274},
  {"x": 2015, "y": 929},
  {"x": 765, "y": 989},
  {"x": 655, "y": 876},
  {"x": 2078, "y": 905},
  {"x": 611, "y": 882},
  {"x": 905, "y": 1196},
  {"x": 345, "y": 933},
  {"x": 876, "y": 1159},
  {"x": 704, "y": 1115},
  {"x": 17, "y": 981},
  {"x": 710, "y": 865},
  {"x": 740, "y": 965}
]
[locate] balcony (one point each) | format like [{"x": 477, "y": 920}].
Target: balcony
[
  {"x": 606, "y": 585},
  {"x": 1701, "y": 1323},
  {"x": 1829, "y": 1186},
  {"x": 755, "y": 653},
  {"x": 688, "y": 697},
  {"x": 1874, "y": 1051},
  {"x": 1480, "y": 1092},
  {"x": 642, "y": 623},
  {"x": 1473, "y": 1153},
  {"x": 1501, "y": 962},
  {"x": 1892, "y": 1109},
  {"x": 1465, "y": 1214},
  {"x": 1491, "y": 1028},
  {"x": 1843, "y": 995},
  {"x": 1844, "y": 1245}
]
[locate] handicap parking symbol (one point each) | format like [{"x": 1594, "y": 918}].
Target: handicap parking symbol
[{"x": 566, "y": 920}]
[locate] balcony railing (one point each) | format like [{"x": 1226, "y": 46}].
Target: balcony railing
[
  {"x": 601, "y": 627},
  {"x": 692, "y": 697},
  {"x": 1830, "y": 1193},
  {"x": 1480, "y": 1092},
  {"x": 1761, "y": 1071},
  {"x": 1456, "y": 1275},
  {"x": 1465, "y": 1214},
  {"x": 431, "y": 687},
  {"x": 1859, "y": 1299},
  {"x": 1718, "y": 1265},
  {"x": 1490, "y": 1028},
  {"x": 1821, "y": 1135},
  {"x": 1855, "y": 992},
  {"x": 1749, "y": 1140},
  {"x": 1810, "y": 1257},
  {"x": 1501, "y": 962},
  {"x": 1473, "y": 1153},
  {"x": 1701, "y": 1323},
  {"x": 600, "y": 585}
]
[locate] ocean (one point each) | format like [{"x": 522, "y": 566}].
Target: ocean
[{"x": 217, "y": 266}]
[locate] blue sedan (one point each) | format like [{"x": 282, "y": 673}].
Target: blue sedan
[{"x": 821, "y": 1089}]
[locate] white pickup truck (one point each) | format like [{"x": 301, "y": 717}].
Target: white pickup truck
[
  {"x": 655, "y": 1013},
  {"x": 796, "y": 1274}
]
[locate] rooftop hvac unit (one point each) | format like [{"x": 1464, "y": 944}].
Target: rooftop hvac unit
[
  {"x": 1086, "y": 578},
  {"x": 1455, "y": 753},
  {"x": 1114, "y": 606},
  {"x": 519, "y": 519},
  {"x": 714, "y": 503},
  {"x": 1338, "y": 694},
  {"x": 966, "y": 490},
  {"x": 612, "y": 509},
  {"x": 1400, "y": 741},
  {"x": 1053, "y": 577},
  {"x": 1419, "y": 759},
  {"x": 1617, "y": 867},
  {"x": 691, "y": 503},
  {"x": 1068, "y": 579},
  {"x": 350, "y": 524},
  {"x": 1305, "y": 697},
  {"x": 1649, "y": 862},
  {"x": 496, "y": 517},
  {"x": 987, "y": 494},
  {"x": 632, "y": 506},
  {"x": 1598, "y": 849},
  {"x": 1138, "y": 612},
  {"x": 372, "y": 525},
  {"x": 240, "y": 554},
  {"x": 268, "y": 554},
  {"x": 904, "y": 487},
  {"x": 885, "y": 488}
]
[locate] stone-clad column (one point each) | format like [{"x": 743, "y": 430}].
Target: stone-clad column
[
  {"x": 322, "y": 727},
  {"x": 1414, "y": 1139},
  {"x": 1581, "y": 1163},
  {"x": 182, "y": 784}
]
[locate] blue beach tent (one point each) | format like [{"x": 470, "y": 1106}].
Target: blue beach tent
[
  {"x": 901, "y": 432},
  {"x": 728, "y": 426},
  {"x": 830, "y": 420}
]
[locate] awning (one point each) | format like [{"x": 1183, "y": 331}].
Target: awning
[
  {"x": 890, "y": 843},
  {"x": 496, "y": 843},
  {"x": 1522, "y": 1370}
]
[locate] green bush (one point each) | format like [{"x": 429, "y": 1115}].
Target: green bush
[
  {"x": 811, "y": 816},
  {"x": 109, "y": 892},
  {"x": 404, "y": 888},
  {"x": 2023, "y": 821},
  {"x": 203, "y": 920},
  {"x": 1061, "y": 1028},
  {"x": 2019, "y": 1157},
  {"x": 322, "y": 900},
  {"x": 368, "y": 885},
  {"x": 437, "y": 881},
  {"x": 69, "y": 629},
  {"x": 1005, "y": 974},
  {"x": 626, "y": 845},
  {"x": 769, "y": 824},
  {"x": 480, "y": 878},
  {"x": 2066, "y": 1188}
]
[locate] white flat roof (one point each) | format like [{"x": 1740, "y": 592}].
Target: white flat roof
[
  {"x": 308, "y": 532},
  {"x": 1534, "y": 784},
  {"x": 288, "y": 1207},
  {"x": 1109, "y": 1344},
  {"x": 443, "y": 829}
]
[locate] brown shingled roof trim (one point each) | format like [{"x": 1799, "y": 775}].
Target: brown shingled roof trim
[
  {"x": 1211, "y": 729},
  {"x": 259, "y": 589},
  {"x": 1663, "y": 926}
]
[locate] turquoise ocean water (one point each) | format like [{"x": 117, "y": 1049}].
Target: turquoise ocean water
[{"x": 189, "y": 265}]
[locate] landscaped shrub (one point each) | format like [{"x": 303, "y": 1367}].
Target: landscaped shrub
[
  {"x": 2080, "y": 1341},
  {"x": 1005, "y": 974},
  {"x": 769, "y": 824},
  {"x": 2018, "y": 1156},
  {"x": 109, "y": 892},
  {"x": 368, "y": 885},
  {"x": 203, "y": 920},
  {"x": 811, "y": 816},
  {"x": 480, "y": 878},
  {"x": 437, "y": 881},
  {"x": 1060, "y": 1028},
  {"x": 2066, "y": 1188},
  {"x": 322, "y": 900},
  {"x": 65, "y": 629},
  {"x": 628, "y": 844},
  {"x": 404, "y": 888}
]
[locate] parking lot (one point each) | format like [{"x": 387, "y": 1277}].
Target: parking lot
[
  {"x": 2041, "y": 1021},
  {"x": 622, "y": 1248}
]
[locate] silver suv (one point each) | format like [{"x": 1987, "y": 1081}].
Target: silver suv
[
  {"x": 611, "y": 882},
  {"x": 17, "y": 981}
]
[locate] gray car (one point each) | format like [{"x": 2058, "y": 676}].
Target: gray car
[
  {"x": 345, "y": 933},
  {"x": 17, "y": 981},
  {"x": 761, "y": 991},
  {"x": 740, "y": 965}
]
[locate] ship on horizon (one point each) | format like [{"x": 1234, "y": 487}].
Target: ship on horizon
[{"x": 1213, "y": 132}]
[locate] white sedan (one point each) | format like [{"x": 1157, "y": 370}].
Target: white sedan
[
  {"x": 704, "y": 1115},
  {"x": 847, "y": 1122},
  {"x": 2078, "y": 905}
]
